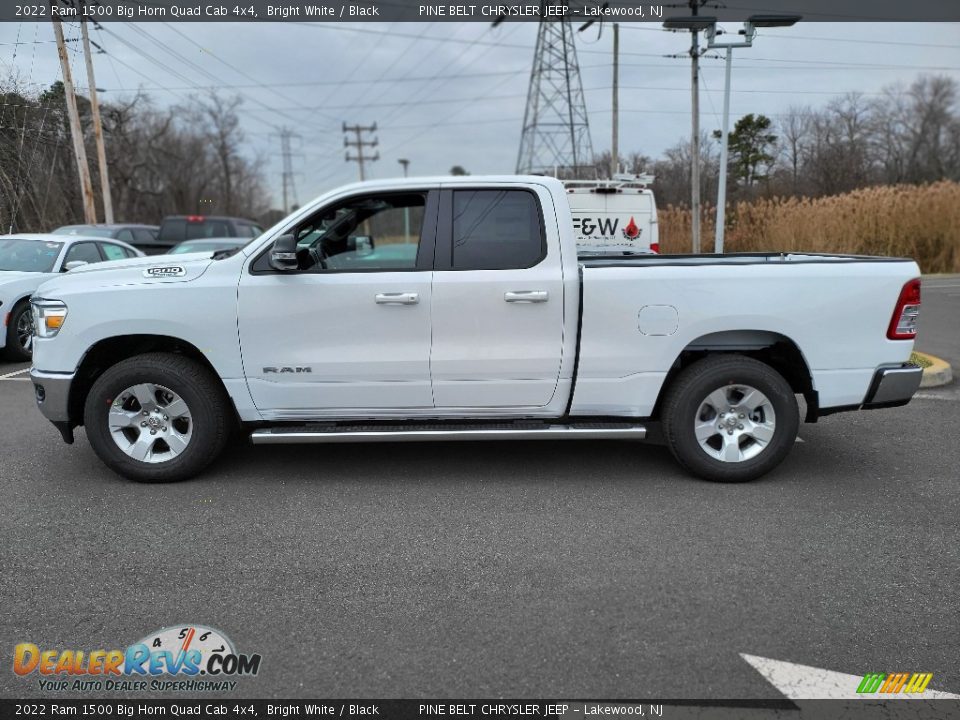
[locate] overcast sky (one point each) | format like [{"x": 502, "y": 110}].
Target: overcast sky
[{"x": 449, "y": 94}]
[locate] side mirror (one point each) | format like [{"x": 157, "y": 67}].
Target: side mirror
[
  {"x": 74, "y": 264},
  {"x": 283, "y": 254}
]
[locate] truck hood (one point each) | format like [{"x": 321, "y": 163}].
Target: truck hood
[{"x": 151, "y": 270}]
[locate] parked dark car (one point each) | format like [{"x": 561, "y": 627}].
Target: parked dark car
[
  {"x": 174, "y": 229},
  {"x": 142, "y": 237},
  {"x": 210, "y": 245}
]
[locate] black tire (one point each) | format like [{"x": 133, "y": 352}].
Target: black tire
[
  {"x": 683, "y": 406},
  {"x": 14, "y": 349},
  {"x": 211, "y": 419}
]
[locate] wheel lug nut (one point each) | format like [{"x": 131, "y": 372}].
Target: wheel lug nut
[
  {"x": 143, "y": 424},
  {"x": 153, "y": 432},
  {"x": 166, "y": 418},
  {"x": 145, "y": 412},
  {"x": 739, "y": 427},
  {"x": 742, "y": 415},
  {"x": 164, "y": 428},
  {"x": 729, "y": 432}
]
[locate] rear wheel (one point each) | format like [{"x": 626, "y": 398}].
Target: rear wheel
[
  {"x": 730, "y": 418},
  {"x": 157, "y": 417},
  {"x": 19, "y": 345}
]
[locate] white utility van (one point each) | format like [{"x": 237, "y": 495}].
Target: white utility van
[{"x": 614, "y": 216}]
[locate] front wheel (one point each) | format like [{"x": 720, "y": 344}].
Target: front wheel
[
  {"x": 20, "y": 333},
  {"x": 157, "y": 418},
  {"x": 730, "y": 418}
]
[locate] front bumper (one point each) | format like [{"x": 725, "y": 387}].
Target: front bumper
[
  {"x": 893, "y": 386},
  {"x": 52, "y": 393}
]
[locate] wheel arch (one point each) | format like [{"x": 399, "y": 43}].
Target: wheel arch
[
  {"x": 106, "y": 353},
  {"x": 771, "y": 348}
]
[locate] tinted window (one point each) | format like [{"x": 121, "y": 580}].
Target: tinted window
[
  {"x": 113, "y": 252},
  {"x": 85, "y": 251},
  {"x": 173, "y": 231},
  {"x": 207, "y": 229},
  {"x": 125, "y": 235},
  {"x": 142, "y": 236},
  {"x": 496, "y": 230}
]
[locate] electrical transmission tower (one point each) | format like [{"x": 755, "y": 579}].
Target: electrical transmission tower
[
  {"x": 359, "y": 143},
  {"x": 289, "y": 188},
  {"x": 556, "y": 130}
]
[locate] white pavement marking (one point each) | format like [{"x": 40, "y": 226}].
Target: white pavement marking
[
  {"x": 803, "y": 682},
  {"x": 931, "y": 396},
  {"x": 799, "y": 439},
  {"x": 15, "y": 372}
]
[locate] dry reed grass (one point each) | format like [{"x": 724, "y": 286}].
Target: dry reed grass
[{"x": 917, "y": 221}]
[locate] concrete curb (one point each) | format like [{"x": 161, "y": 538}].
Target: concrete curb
[{"x": 939, "y": 373}]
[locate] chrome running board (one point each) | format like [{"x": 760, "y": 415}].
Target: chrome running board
[{"x": 441, "y": 433}]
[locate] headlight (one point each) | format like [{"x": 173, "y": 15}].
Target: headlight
[{"x": 48, "y": 317}]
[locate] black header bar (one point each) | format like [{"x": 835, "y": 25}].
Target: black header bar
[{"x": 577, "y": 11}]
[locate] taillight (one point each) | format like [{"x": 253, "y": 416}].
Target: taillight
[
  {"x": 655, "y": 248},
  {"x": 903, "y": 324},
  {"x": 195, "y": 218}
]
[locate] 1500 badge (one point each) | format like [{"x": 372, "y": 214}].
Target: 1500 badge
[{"x": 164, "y": 271}]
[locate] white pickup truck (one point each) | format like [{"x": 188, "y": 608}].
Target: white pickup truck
[{"x": 458, "y": 309}]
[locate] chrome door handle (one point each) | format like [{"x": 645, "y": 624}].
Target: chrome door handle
[
  {"x": 397, "y": 298},
  {"x": 527, "y": 296}
]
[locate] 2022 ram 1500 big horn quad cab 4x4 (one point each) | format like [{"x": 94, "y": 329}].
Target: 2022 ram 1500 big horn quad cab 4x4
[{"x": 457, "y": 309}]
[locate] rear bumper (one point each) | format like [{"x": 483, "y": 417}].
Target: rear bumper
[
  {"x": 52, "y": 393},
  {"x": 893, "y": 386}
]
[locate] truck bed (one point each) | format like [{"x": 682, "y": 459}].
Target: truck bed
[{"x": 599, "y": 260}]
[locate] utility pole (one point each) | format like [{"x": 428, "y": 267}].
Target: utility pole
[
  {"x": 289, "y": 189},
  {"x": 76, "y": 132},
  {"x": 695, "y": 132},
  {"x": 695, "y": 24},
  {"x": 97, "y": 126},
  {"x": 615, "y": 142},
  {"x": 359, "y": 143},
  {"x": 406, "y": 210}
]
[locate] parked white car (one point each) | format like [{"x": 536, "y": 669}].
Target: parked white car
[
  {"x": 28, "y": 260},
  {"x": 457, "y": 309}
]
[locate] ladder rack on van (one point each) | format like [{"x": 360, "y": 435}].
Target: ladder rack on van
[{"x": 618, "y": 183}]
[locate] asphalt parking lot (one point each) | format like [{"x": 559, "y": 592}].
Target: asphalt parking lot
[{"x": 506, "y": 569}]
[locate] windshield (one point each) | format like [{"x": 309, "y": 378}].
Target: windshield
[
  {"x": 28, "y": 255},
  {"x": 85, "y": 230}
]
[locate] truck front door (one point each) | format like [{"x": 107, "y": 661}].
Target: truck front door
[{"x": 348, "y": 333}]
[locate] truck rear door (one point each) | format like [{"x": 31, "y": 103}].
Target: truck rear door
[{"x": 498, "y": 299}]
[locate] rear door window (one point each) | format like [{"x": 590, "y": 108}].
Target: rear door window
[
  {"x": 496, "y": 230},
  {"x": 113, "y": 252}
]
